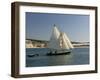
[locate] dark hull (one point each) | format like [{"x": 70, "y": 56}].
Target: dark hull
[
  {"x": 64, "y": 53},
  {"x": 33, "y": 55}
]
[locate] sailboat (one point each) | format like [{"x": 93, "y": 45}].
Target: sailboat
[{"x": 59, "y": 43}]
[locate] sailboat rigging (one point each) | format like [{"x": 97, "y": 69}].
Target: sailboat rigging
[{"x": 59, "y": 43}]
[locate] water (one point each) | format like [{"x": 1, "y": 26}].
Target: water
[{"x": 78, "y": 56}]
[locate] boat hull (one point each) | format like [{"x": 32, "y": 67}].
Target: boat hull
[
  {"x": 64, "y": 53},
  {"x": 33, "y": 55}
]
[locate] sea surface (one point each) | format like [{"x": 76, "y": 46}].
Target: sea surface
[{"x": 78, "y": 56}]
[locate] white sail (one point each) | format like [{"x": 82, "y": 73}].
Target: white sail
[
  {"x": 59, "y": 40},
  {"x": 68, "y": 41},
  {"x": 63, "y": 42},
  {"x": 54, "y": 43}
]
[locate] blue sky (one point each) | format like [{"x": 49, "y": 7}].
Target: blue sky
[{"x": 40, "y": 25}]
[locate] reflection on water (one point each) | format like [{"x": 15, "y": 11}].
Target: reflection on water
[{"x": 77, "y": 56}]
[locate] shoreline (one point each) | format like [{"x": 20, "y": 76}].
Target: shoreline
[{"x": 74, "y": 47}]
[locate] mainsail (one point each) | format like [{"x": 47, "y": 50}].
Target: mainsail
[
  {"x": 54, "y": 43},
  {"x": 59, "y": 40}
]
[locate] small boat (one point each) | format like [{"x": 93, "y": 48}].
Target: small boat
[
  {"x": 59, "y": 43},
  {"x": 32, "y": 55}
]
